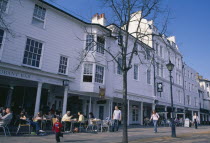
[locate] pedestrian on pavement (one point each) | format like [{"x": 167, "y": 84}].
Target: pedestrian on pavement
[
  {"x": 117, "y": 116},
  {"x": 155, "y": 118},
  {"x": 57, "y": 129},
  {"x": 196, "y": 120}
]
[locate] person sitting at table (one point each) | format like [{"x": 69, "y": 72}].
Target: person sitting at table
[
  {"x": 6, "y": 118},
  {"x": 66, "y": 120},
  {"x": 35, "y": 123},
  {"x": 91, "y": 116},
  {"x": 81, "y": 117},
  {"x": 22, "y": 118}
]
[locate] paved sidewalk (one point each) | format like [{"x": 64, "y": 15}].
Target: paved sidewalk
[{"x": 136, "y": 135}]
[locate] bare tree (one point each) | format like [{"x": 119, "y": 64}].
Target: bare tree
[{"x": 130, "y": 22}]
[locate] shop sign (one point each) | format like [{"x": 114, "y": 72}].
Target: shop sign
[
  {"x": 14, "y": 74},
  {"x": 102, "y": 93}
]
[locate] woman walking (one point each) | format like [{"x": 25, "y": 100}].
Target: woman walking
[
  {"x": 195, "y": 119},
  {"x": 155, "y": 118}
]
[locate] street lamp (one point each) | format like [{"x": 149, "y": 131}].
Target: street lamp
[{"x": 170, "y": 67}]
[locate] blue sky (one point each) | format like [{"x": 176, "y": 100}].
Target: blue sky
[{"x": 190, "y": 24}]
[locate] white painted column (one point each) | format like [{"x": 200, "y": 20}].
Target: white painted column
[
  {"x": 65, "y": 97},
  {"x": 199, "y": 116},
  {"x": 142, "y": 115},
  {"x": 175, "y": 112},
  {"x": 153, "y": 107},
  {"x": 9, "y": 96},
  {"x": 166, "y": 112},
  {"x": 128, "y": 113},
  {"x": 184, "y": 115},
  {"x": 111, "y": 109},
  {"x": 38, "y": 98},
  {"x": 192, "y": 115},
  {"x": 90, "y": 104}
]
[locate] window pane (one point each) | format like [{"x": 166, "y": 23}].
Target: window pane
[
  {"x": 32, "y": 46},
  {"x": 119, "y": 71},
  {"x": 99, "y": 74},
  {"x": 89, "y": 42},
  {"x": 100, "y": 44},
  {"x": 63, "y": 65},
  {"x": 1, "y": 36}
]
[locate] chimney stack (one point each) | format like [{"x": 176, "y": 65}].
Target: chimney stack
[{"x": 99, "y": 19}]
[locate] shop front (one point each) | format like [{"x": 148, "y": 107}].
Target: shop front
[{"x": 27, "y": 89}]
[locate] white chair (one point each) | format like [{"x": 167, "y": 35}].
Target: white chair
[
  {"x": 4, "y": 126},
  {"x": 104, "y": 125}
]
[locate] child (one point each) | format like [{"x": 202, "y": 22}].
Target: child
[{"x": 57, "y": 129}]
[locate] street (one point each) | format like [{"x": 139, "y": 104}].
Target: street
[{"x": 136, "y": 135}]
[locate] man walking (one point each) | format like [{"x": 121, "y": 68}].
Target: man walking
[{"x": 117, "y": 116}]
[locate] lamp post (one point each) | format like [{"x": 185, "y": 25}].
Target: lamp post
[{"x": 170, "y": 67}]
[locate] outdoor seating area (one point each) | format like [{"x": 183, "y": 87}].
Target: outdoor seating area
[{"x": 24, "y": 124}]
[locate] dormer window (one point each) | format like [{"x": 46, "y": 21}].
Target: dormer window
[
  {"x": 100, "y": 44},
  {"x": 89, "y": 42},
  {"x": 120, "y": 40}
]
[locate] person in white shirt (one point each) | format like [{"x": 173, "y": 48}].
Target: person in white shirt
[
  {"x": 6, "y": 118},
  {"x": 155, "y": 118},
  {"x": 196, "y": 120},
  {"x": 117, "y": 116}
]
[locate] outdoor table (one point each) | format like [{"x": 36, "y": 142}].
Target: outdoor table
[
  {"x": 96, "y": 123},
  {"x": 72, "y": 121}
]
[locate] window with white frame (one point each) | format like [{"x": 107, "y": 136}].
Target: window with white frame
[
  {"x": 136, "y": 48},
  {"x": 99, "y": 74},
  {"x": 189, "y": 87},
  {"x": 100, "y": 44},
  {"x": 1, "y": 37},
  {"x": 188, "y": 100},
  {"x": 156, "y": 48},
  {"x": 63, "y": 65},
  {"x": 120, "y": 40},
  {"x": 89, "y": 42},
  {"x": 162, "y": 70},
  {"x": 39, "y": 16},
  {"x": 179, "y": 96},
  {"x": 33, "y": 52},
  {"x": 185, "y": 84},
  {"x": 148, "y": 54},
  {"x": 196, "y": 102},
  {"x": 208, "y": 94},
  {"x": 161, "y": 51},
  {"x": 149, "y": 76},
  {"x": 88, "y": 72},
  {"x": 3, "y": 5},
  {"x": 158, "y": 69},
  {"x": 119, "y": 66},
  {"x": 136, "y": 72}
]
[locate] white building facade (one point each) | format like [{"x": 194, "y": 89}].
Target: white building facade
[{"x": 41, "y": 63}]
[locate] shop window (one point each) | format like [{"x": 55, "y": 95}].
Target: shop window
[
  {"x": 100, "y": 44},
  {"x": 1, "y": 37},
  {"x": 135, "y": 113},
  {"x": 89, "y": 42},
  {"x": 33, "y": 52},
  {"x": 39, "y": 16},
  {"x": 88, "y": 73},
  {"x": 63, "y": 64},
  {"x": 3, "y": 5},
  {"x": 99, "y": 74}
]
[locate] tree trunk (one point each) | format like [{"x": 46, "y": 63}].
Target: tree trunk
[{"x": 125, "y": 108}]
